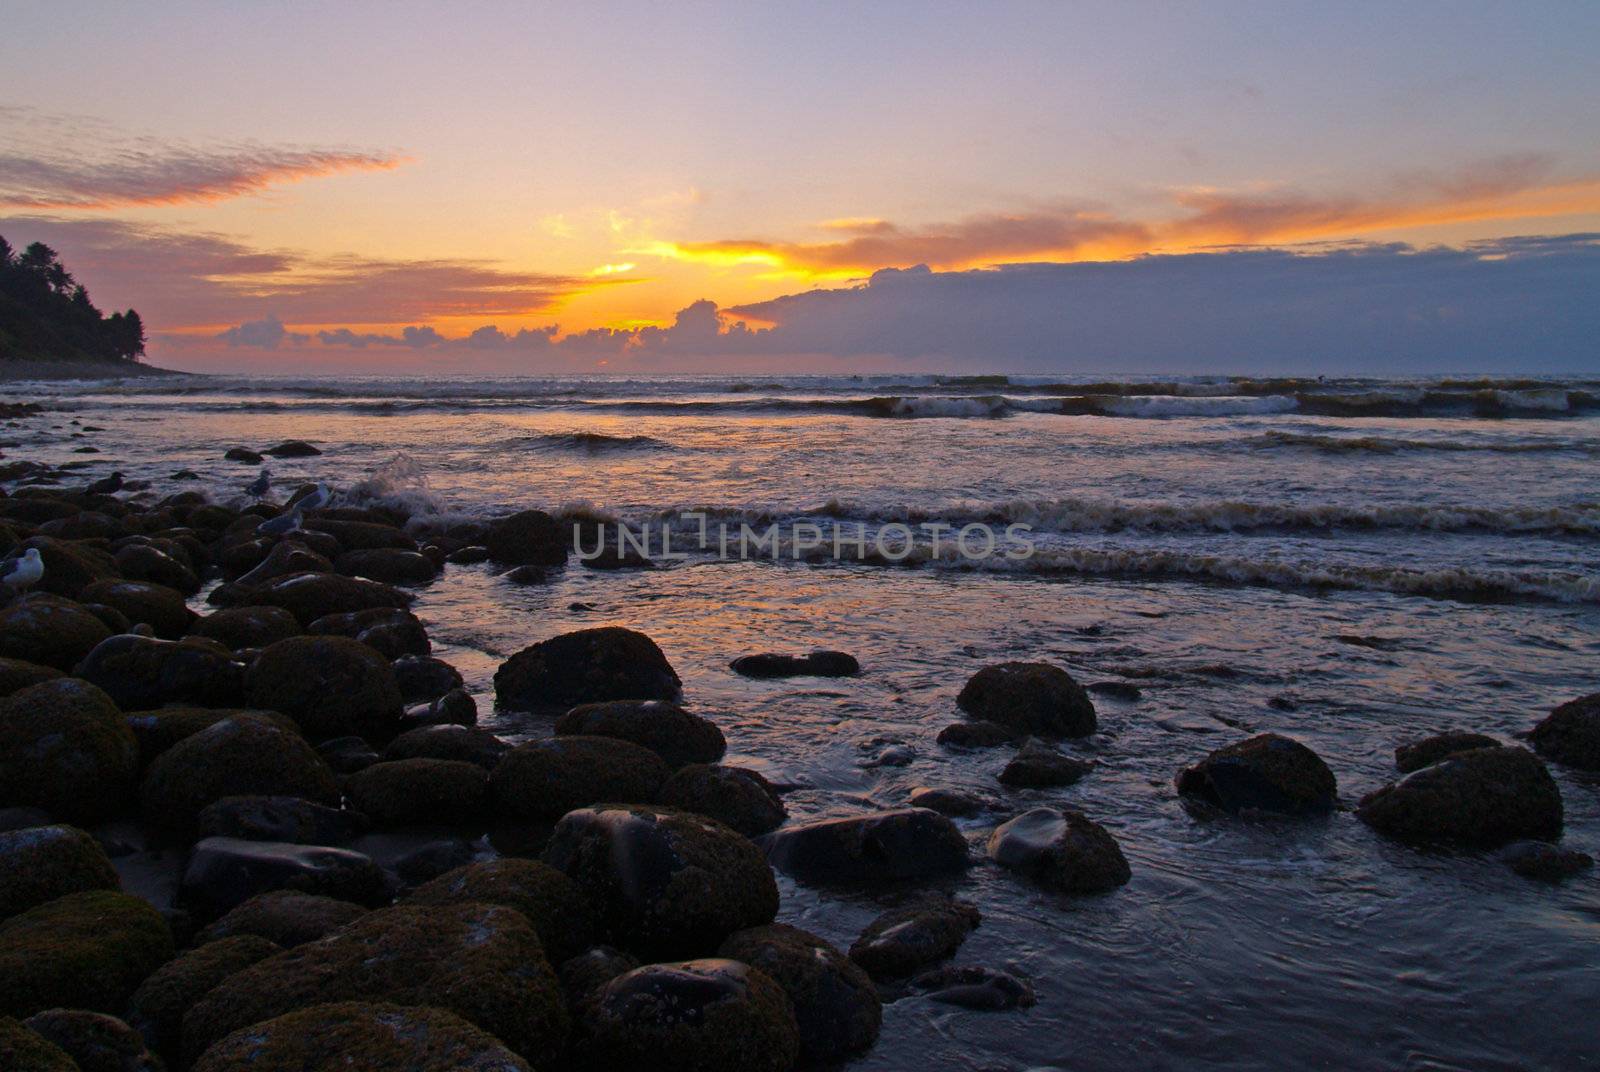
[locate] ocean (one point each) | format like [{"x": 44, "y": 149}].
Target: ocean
[{"x": 1353, "y": 563}]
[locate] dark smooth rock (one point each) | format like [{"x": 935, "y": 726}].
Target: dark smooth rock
[
  {"x": 664, "y": 882},
  {"x": 1570, "y": 735},
  {"x": 435, "y": 858},
  {"x": 1485, "y": 797},
  {"x": 1035, "y": 698},
  {"x": 888, "y": 846},
  {"x": 1060, "y": 850},
  {"x": 736, "y": 796},
  {"x": 346, "y": 755},
  {"x": 947, "y": 801},
  {"x": 816, "y": 664},
  {"x": 223, "y": 873},
  {"x": 455, "y": 708},
  {"x": 977, "y": 735},
  {"x": 468, "y": 556},
  {"x": 836, "y": 1006},
  {"x": 247, "y": 627},
  {"x": 312, "y": 595},
  {"x": 242, "y": 454},
  {"x": 676, "y": 735},
  {"x": 293, "y": 448},
  {"x": 1545, "y": 862},
  {"x": 1266, "y": 773},
  {"x": 1430, "y": 750},
  {"x": 587, "y": 666},
  {"x": 448, "y": 742},
  {"x": 905, "y": 940},
  {"x": 422, "y": 678},
  {"x": 278, "y": 818},
  {"x": 393, "y": 633},
  {"x": 979, "y": 989},
  {"x": 142, "y": 562},
  {"x": 1039, "y": 766},
  {"x": 695, "y": 1016},
  {"x": 530, "y": 538}
]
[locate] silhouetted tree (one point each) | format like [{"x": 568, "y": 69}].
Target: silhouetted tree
[{"x": 45, "y": 314}]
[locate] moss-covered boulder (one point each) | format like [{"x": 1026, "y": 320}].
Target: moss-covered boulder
[
  {"x": 1060, "y": 850},
  {"x": 907, "y": 939},
  {"x": 1035, "y": 698},
  {"x": 87, "y": 950},
  {"x": 95, "y": 1041},
  {"x": 677, "y": 736},
  {"x": 331, "y": 686},
  {"x": 18, "y": 674},
  {"x": 310, "y": 595},
  {"x": 410, "y": 792},
  {"x": 161, "y": 608},
  {"x": 1040, "y": 765},
  {"x": 223, "y": 873},
  {"x": 695, "y": 1016},
  {"x": 1485, "y": 797},
  {"x": 247, "y": 627},
  {"x": 885, "y": 846},
  {"x": 285, "y": 917},
  {"x": 736, "y": 796},
  {"x": 23, "y": 1050},
  {"x": 423, "y": 678},
  {"x": 158, "y": 565},
  {"x": 140, "y": 672},
  {"x": 482, "y": 962},
  {"x": 558, "y": 909},
  {"x": 449, "y": 742},
  {"x": 835, "y": 1005},
  {"x": 237, "y": 756},
  {"x": 41, "y": 863},
  {"x": 391, "y": 565},
  {"x": 1430, "y": 750},
  {"x": 49, "y": 630},
  {"x": 1571, "y": 733},
  {"x": 392, "y": 633},
  {"x": 365, "y": 1037},
  {"x": 665, "y": 883},
  {"x": 70, "y": 566},
  {"x": 65, "y": 747},
  {"x": 587, "y": 666},
  {"x": 529, "y": 538},
  {"x": 157, "y": 1007},
  {"x": 547, "y": 778},
  {"x": 159, "y": 729},
  {"x": 1266, "y": 773}
]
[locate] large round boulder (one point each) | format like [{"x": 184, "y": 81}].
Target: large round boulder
[
  {"x": 247, "y": 627},
  {"x": 86, "y": 950},
  {"x": 1035, "y": 698},
  {"x": 95, "y": 1041},
  {"x": 393, "y": 633},
  {"x": 587, "y": 666},
  {"x": 161, "y": 608},
  {"x": 331, "y": 686},
  {"x": 696, "y": 1016},
  {"x": 415, "y": 792},
  {"x": 1430, "y": 750},
  {"x": 18, "y": 674},
  {"x": 449, "y": 742},
  {"x": 285, "y": 917},
  {"x": 1485, "y": 797},
  {"x": 672, "y": 733},
  {"x": 65, "y": 747},
  {"x": 147, "y": 562},
  {"x": 885, "y": 846},
  {"x": 49, "y": 631},
  {"x": 241, "y": 755},
  {"x": 529, "y": 538},
  {"x": 665, "y": 883},
  {"x": 363, "y": 1037},
  {"x": 140, "y": 672},
  {"x": 1266, "y": 773},
  {"x": 69, "y": 566},
  {"x": 835, "y": 1004},
  {"x": 1571, "y": 733},
  {"x": 310, "y": 595},
  {"x": 905, "y": 940},
  {"x": 159, "y": 729},
  {"x": 1060, "y": 850},
  {"x": 156, "y": 1008},
  {"x": 391, "y": 565},
  {"x": 736, "y": 796},
  {"x": 482, "y": 962},
  {"x": 223, "y": 873},
  {"x": 547, "y": 778},
  {"x": 24, "y": 1050},
  {"x": 41, "y": 863},
  {"x": 554, "y": 904}
]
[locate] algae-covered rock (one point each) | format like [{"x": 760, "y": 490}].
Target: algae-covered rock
[
  {"x": 364, "y": 1037},
  {"x": 677, "y": 736},
  {"x": 905, "y": 940},
  {"x": 885, "y": 846},
  {"x": 407, "y": 792},
  {"x": 23, "y": 1050},
  {"x": 310, "y": 595},
  {"x": 87, "y": 950},
  {"x": 1484, "y": 797},
  {"x": 448, "y": 742},
  {"x": 140, "y": 672},
  {"x": 1266, "y": 773},
  {"x": 1571, "y": 733},
  {"x": 1060, "y": 850},
  {"x": 547, "y": 778},
  {"x": 95, "y": 1041},
  {"x": 237, "y": 756},
  {"x": 1035, "y": 698},
  {"x": 65, "y": 747},
  {"x": 157, "y": 1007},
  {"x": 18, "y": 674},
  {"x": 482, "y": 962},
  {"x": 156, "y": 605},
  {"x": 331, "y": 686},
  {"x": 695, "y": 1016},
  {"x": 586, "y": 666},
  {"x": 559, "y": 910},
  {"x": 666, "y": 883},
  {"x": 49, "y": 631},
  {"x": 278, "y": 818},
  {"x": 835, "y": 1004},
  {"x": 1430, "y": 750},
  {"x": 737, "y": 796},
  {"x": 41, "y": 863},
  {"x": 247, "y": 627},
  {"x": 285, "y": 917}
]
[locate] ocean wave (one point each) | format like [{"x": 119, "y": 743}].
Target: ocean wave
[
  {"x": 1343, "y": 444},
  {"x": 593, "y": 442}
]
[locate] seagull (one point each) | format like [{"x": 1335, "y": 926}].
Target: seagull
[
  {"x": 258, "y": 487},
  {"x": 318, "y": 498},
  {"x": 277, "y": 526},
  {"x": 24, "y": 572},
  {"x": 106, "y": 485}
]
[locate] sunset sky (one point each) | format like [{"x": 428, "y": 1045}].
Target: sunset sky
[{"x": 294, "y": 186}]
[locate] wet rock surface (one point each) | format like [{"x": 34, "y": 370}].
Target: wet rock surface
[
  {"x": 587, "y": 666},
  {"x": 1038, "y": 765},
  {"x": 815, "y": 664},
  {"x": 1485, "y": 797},
  {"x": 553, "y": 903},
  {"x": 836, "y": 1006},
  {"x": 1035, "y": 698},
  {"x": 677, "y": 736},
  {"x": 1571, "y": 734},
  {"x": 1266, "y": 773},
  {"x": 910, "y": 843},
  {"x": 1060, "y": 850},
  {"x": 546, "y": 779},
  {"x": 1430, "y": 750},
  {"x": 738, "y": 797},
  {"x": 223, "y": 873},
  {"x": 907, "y": 939}
]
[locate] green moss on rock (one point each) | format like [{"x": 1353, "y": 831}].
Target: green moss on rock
[
  {"x": 553, "y": 903},
  {"x": 41, "y": 863},
  {"x": 86, "y": 950},
  {"x": 65, "y": 747},
  {"x": 157, "y": 1007},
  {"x": 406, "y": 792}
]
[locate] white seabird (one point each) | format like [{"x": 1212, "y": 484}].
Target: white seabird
[{"x": 24, "y": 572}]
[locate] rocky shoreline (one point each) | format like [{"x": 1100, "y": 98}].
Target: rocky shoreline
[{"x": 362, "y": 878}]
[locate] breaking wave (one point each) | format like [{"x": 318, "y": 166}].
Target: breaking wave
[
  {"x": 593, "y": 442},
  {"x": 1348, "y": 444}
]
